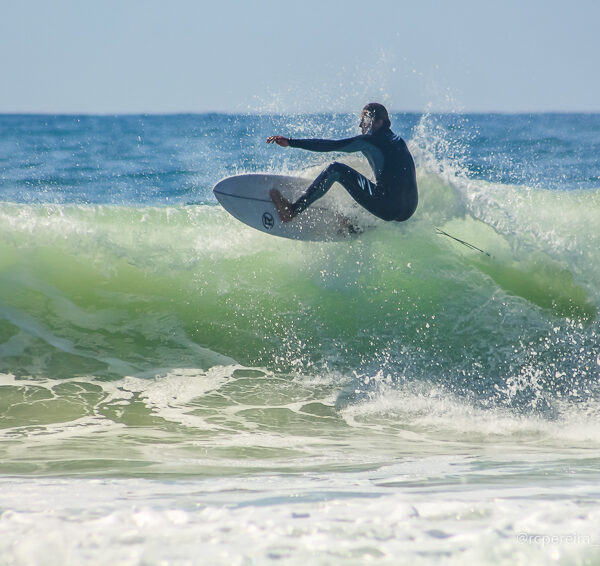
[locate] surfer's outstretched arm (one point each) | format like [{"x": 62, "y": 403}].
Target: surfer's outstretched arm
[{"x": 347, "y": 145}]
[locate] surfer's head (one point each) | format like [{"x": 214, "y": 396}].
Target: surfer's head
[{"x": 374, "y": 117}]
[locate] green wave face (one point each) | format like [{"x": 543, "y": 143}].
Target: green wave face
[{"x": 119, "y": 291}]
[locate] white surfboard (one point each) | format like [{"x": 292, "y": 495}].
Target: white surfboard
[{"x": 247, "y": 198}]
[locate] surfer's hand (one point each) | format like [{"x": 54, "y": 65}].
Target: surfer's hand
[{"x": 279, "y": 140}]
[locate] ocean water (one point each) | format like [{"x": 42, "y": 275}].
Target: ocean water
[{"x": 176, "y": 388}]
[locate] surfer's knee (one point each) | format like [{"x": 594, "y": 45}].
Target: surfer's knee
[{"x": 335, "y": 169}]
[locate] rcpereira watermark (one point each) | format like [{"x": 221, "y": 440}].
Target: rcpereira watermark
[{"x": 547, "y": 540}]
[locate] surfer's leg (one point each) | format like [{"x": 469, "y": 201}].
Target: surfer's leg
[
  {"x": 350, "y": 179},
  {"x": 369, "y": 195},
  {"x": 385, "y": 202}
]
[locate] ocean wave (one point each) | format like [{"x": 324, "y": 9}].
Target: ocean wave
[{"x": 111, "y": 291}]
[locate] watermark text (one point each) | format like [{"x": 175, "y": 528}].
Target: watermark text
[{"x": 558, "y": 539}]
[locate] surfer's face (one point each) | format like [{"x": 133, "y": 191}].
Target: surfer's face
[
  {"x": 368, "y": 124},
  {"x": 366, "y": 121}
]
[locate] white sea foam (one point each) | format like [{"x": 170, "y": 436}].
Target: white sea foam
[{"x": 427, "y": 511}]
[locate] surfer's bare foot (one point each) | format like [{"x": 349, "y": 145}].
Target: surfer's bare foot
[{"x": 283, "y": 205}]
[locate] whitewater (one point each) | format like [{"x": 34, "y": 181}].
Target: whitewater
[{"x": 177, "y": 388}]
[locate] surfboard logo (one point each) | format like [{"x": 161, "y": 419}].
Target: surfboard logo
[{"x": 268, "y": 220}]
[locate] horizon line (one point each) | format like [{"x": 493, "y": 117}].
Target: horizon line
[{"x": 261, "y": 113}]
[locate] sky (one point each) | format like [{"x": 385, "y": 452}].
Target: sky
[{"x": 133, "y": 56}]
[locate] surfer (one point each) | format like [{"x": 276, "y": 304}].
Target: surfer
[{"x": 393, "y": 195}]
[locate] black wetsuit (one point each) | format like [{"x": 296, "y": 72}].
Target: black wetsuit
[{"x": 394, "y": 194}]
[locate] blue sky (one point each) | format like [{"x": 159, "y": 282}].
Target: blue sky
[{"x": 282, "y": 56}]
